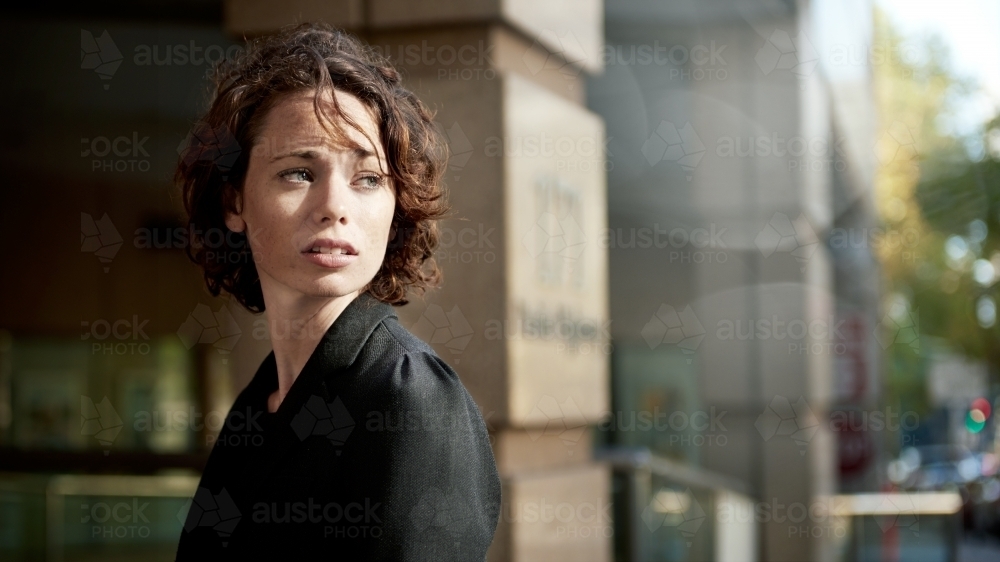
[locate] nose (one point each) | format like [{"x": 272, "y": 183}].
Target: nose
[{"x": 330, "y": 204}]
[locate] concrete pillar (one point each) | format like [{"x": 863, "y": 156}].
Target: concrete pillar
[
  {"x": 522, "y": 315},
  {"x": 674, "y": 121}
]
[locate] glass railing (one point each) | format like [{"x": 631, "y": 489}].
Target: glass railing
[
  {"x": 665, "y": 510},
  {"x": 900, "y": 526},
  {"x": 77, "y": 518},
  {"x": 672, "y": 512}
]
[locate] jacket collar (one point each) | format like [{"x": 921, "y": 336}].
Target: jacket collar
[
  {"x": 342, "y": 343},
  {"x": 336, "y": 351}
]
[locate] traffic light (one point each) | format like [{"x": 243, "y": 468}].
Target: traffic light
[{"x": 979, "y": 412}]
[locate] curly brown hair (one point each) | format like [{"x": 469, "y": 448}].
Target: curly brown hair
[{"x": 311, "y": 57}]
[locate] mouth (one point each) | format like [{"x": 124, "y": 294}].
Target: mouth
[
  {"x": 330, "y": 246},
  {"x": 328, "y": 250},
  {"x": 330, "y": 253}
]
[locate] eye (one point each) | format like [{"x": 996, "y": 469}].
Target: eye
[
  {"x": 372, "y": 181},
  {"x": 297, "y": 175}
]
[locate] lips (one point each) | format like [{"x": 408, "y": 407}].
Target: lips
[
  {"x": 330, "y": 253},
  {"x": 335, "y": 250}
]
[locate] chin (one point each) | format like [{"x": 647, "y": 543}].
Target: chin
[{"x": 329, "y": 288}]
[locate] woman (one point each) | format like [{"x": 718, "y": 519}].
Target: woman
[{"x": 320, "y": 174}]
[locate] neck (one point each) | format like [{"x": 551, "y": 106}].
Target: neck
[{"x": 296, "y": 324}]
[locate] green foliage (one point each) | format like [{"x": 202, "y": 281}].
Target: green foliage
[
  {"x": 943, "y": 198},
  {"x": 956, "y": 199},
  {"x": 951, "y": 196}
]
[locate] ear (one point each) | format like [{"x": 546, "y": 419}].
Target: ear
[
  {"x": 234, "y": 219},
  {"x": 235, "y": 222}
]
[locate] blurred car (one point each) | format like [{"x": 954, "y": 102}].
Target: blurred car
[{"x": 935, "y": 467}]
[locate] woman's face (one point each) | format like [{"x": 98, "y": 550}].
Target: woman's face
[{"x": 317, "y": 215}]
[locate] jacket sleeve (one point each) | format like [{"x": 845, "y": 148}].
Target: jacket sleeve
[{"x": 442, "y": 494}]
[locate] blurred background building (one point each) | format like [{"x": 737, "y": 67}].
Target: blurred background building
[{"x": 715, "y": 278}]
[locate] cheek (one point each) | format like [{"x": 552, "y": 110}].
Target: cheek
[
  {"x": 271, "y": 222},
  {"x": 377, "y": 224},
  {"x": 386, "y": 211},
  {"x": 381, "y": 219},
  {"x": 266, "y": 211}
]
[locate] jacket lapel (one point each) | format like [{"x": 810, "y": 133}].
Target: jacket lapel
[{"x": 309, "y": 397}]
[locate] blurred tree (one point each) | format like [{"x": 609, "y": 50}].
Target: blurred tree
[
  {"x": 939, "y": 197},
  {"x": 960, "y": 201}
]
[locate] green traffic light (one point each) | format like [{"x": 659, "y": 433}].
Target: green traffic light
[{"x": 975, "y": 421}]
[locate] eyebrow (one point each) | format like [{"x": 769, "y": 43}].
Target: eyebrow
[{"x": 307, "y": 154}]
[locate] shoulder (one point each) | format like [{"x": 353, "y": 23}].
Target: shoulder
[
  {"x": 403, "y": 337},
  {"x": 409, "y": 388},
  {"x": 432, "y": 428},
  {"x": 413, "y": 364}
]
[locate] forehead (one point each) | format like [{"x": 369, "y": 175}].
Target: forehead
[{"x": 292, "y": 122}]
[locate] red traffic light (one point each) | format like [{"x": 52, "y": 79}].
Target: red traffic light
[{"x": 983, "y": 405}]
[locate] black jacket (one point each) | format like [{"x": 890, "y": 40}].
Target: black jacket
[{"x": 376, "y": 453}]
